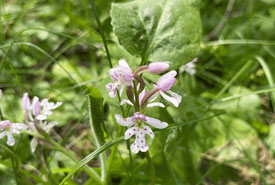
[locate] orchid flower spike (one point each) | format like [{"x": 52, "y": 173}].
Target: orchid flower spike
[
  {"x": 122, "y": 76},
  {"x": 36, "y": 114},
  {"x": 164, "y": 84},
  {"x": 139, "y": 129},
  {"x": 190, "y": 67},
  {"x": 9, "y": 128}
]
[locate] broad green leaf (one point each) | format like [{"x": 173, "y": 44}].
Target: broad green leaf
[
  {"x": 159, "y": 30},
  {"x": 96, "y": 112}
]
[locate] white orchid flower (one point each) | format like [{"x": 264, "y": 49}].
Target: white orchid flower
[
  {"x": 7, "y": 129},
  {"x": 139, "y": 129}
]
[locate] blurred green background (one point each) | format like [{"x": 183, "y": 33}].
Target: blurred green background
[{"x": 213, "y": 140}]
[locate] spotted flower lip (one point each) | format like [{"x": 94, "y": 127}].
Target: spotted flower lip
[
  {"x": 139, "y": 131},
  {"x": 9, "y": 128}
]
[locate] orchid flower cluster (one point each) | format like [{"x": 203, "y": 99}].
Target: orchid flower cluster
[
  {"x": 36, "y": 115},
  {"x": 35, "y": 118},
  {"x": 124, "y": 78}
]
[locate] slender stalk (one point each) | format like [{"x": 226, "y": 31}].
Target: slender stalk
[
  {"x": 153, "y": 173},
  {"x": 102, "y": 34}
]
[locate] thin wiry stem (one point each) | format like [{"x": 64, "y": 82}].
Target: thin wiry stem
[{"x": 153, "y": 173}]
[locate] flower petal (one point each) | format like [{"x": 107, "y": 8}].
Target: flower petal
[
  {"x": 147, "y": 130},
  {"x": 19, "y": 126},
  {"x": 14, "y": 131},
  {"x": 2, "y": 134},
  {"x": 166, "y": 81},
  {"x": 126, "y": 101},
  {"x": 41, "y": 117},
  {"x": 175, "y": 95},
  {"x": 10, "y": 141},
  {"x": 122, "y": 63},
  {"x": 156, "y": 104},
  {"x": 156, "y": 123},
  {"x": 48, "y": 126},
  {"x": 129, "y": 132},
  {"x": 173, "y": 100},
  {"x": 127, "y": 122},
  {"x": 34, "y": 144},
  {"x": 141, "y": 140},
  {"x": 134, "y": 148}
]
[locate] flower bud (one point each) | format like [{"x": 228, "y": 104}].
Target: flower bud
[
  {"x": 36, "y": 108},
  {"x": 158, "y": 67},
  {"x": 0, "y": 94},
  {"x": 167, "y": 81},
  {"x": 26, "y": 104}
]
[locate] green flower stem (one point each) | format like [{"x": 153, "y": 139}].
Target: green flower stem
[
  {"x": 153, "y": 173},
  {"x": 1, "y": 114}
]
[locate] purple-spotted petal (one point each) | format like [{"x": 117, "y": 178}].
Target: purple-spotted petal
[
  {"x": 156, "y": 123},
  {"x": 130, "y": 132},
  {"x": 148, "y": 130},
  {"x": 134, "y": 148}
]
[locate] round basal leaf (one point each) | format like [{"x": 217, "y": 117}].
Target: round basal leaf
[{"x": 159, "y": 30}]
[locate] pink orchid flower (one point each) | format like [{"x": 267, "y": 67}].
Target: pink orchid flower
[
  {"x": 122, "y": 76},
  {"x": 164, "y": 85}
]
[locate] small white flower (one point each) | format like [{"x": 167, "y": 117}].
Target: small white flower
[
  {"x": 139, "y": 129},
  {"x": 47, "y": 108},
  {"x": 190, "y": 67},
  {"x": 9, "y": 128},
  {"x": 37, "y": 113}
]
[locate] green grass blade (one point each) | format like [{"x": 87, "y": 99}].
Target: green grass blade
[
  {"x": 90, "y": 157},
  {"x": 269, "y": 78}
]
